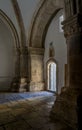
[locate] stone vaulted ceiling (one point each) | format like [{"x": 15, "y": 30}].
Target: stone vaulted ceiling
[
  {"x": 27, "y": 8},
  {"x": 40, "y": 23},
  {"x": 36, "y": 15}
]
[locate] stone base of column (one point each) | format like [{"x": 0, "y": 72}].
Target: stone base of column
[
  {"x": 23, "y": 85},
  {"x": 36, "y": 86},
  {"x": 65, "y": 107},
  {"x": 15, "y": 85}
]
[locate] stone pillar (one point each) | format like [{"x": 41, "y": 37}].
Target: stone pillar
[
  {"x": 65, "y": 106},
  {"x": 73, "y": 34},
  {"x": 66, "y": 75},
  {"x": 23, "y": 49},
  {"x": 36, "y": 69},
  {"x": 23, "y": 70},
  {"x": 16, "y": 80}
]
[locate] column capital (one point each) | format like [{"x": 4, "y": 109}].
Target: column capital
[
  {"x": 36, "y": 51},
  {"x": 72, "y": 25}
]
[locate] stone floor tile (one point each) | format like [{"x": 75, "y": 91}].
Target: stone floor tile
[
  {"x": 14, "y": 105},
  {"x": 18, "y": 111},
  {"x": 5, "y": 110},
  {"x": 55, "y": 126},
  {"x": 27, "y": 114},
  {"x": 30, "y": 116},
  {"x": 18, "y": 125},
  {"x": 48, "y": 127},
  {"x": 6, "y": 117},
  {"x": 37, "y": 122},
  {"x": 3, "y": 106},
  {"x": 27, "y": 106}
]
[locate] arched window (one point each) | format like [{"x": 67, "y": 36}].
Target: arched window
[{"x": 52, "y": 76}]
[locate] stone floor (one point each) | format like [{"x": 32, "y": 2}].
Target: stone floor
[{"x": 22, "y": 113}]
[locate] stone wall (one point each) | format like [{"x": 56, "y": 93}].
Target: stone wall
[
  {"x": 36, "y": 72},
  {"x": 60, "y": 49}
]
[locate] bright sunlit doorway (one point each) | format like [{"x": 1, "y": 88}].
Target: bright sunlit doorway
[{"x": 52, "y": 76}]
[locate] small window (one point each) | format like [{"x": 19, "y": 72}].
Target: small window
[
  {"x": 52, "y": 76},
  {"x": 61, "y": 19}
]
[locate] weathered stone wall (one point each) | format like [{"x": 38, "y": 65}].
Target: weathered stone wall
[
  {"x": 36, "y": 70},
  {"x": 60, "y": 49},
  {"x": 68, "y": 106}
]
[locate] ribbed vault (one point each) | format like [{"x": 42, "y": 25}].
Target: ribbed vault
[
  {"x": 45, "y": 12},
  {"x": 4, "y": 18}
]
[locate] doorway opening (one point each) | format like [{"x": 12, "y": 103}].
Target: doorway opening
[{"x": 52, "y": 76}]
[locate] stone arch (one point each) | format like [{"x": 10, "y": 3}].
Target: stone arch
[
  {"x": 41, "y": 20},
  {"x": 11, "y": 26},
  {"x": 6, "y": 20}
]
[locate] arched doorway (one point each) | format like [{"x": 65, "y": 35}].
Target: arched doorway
[{"x": 52, "y": 76}]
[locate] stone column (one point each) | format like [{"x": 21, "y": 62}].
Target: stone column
[
  {"x": 65, "y": 106},
  {"x": 23, "y": 48},
  {"x": 16, "y": 80},
  {"x": 73, "y": 34},
  {"x": 66, "y": 75},
  {"x": 36, "y": 69},
  {"x": 23, "y": 70}
]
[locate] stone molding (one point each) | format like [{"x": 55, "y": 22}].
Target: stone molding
[
  {"x": 36, "y": 51},
  {"x": 11, "y": 26},
  {"x": 24, "y": 50},
  {"x": 72, "y": 25},
  {"x": 20, "y": 22}
]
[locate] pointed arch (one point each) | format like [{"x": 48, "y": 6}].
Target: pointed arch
[
  {"x": 16, "y": 53},
  {"x": 41, "y": 21},
  {"x": 4, "y": 18}
]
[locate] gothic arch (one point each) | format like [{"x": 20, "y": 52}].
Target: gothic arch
[
  {"x": 41, "y": 20},
  {"x": 4, "y": 18}
]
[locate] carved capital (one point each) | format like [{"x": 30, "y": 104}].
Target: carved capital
[
  {"x": 36, "y": 51},
  {"x": 72, "y": 25}
]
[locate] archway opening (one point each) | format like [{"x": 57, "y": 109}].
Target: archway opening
[{"x": 52, "y": 76}]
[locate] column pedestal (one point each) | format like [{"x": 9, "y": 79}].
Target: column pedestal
[
  {"x": 65, "y": 108},
  {"x": 23, "y": 85}
]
